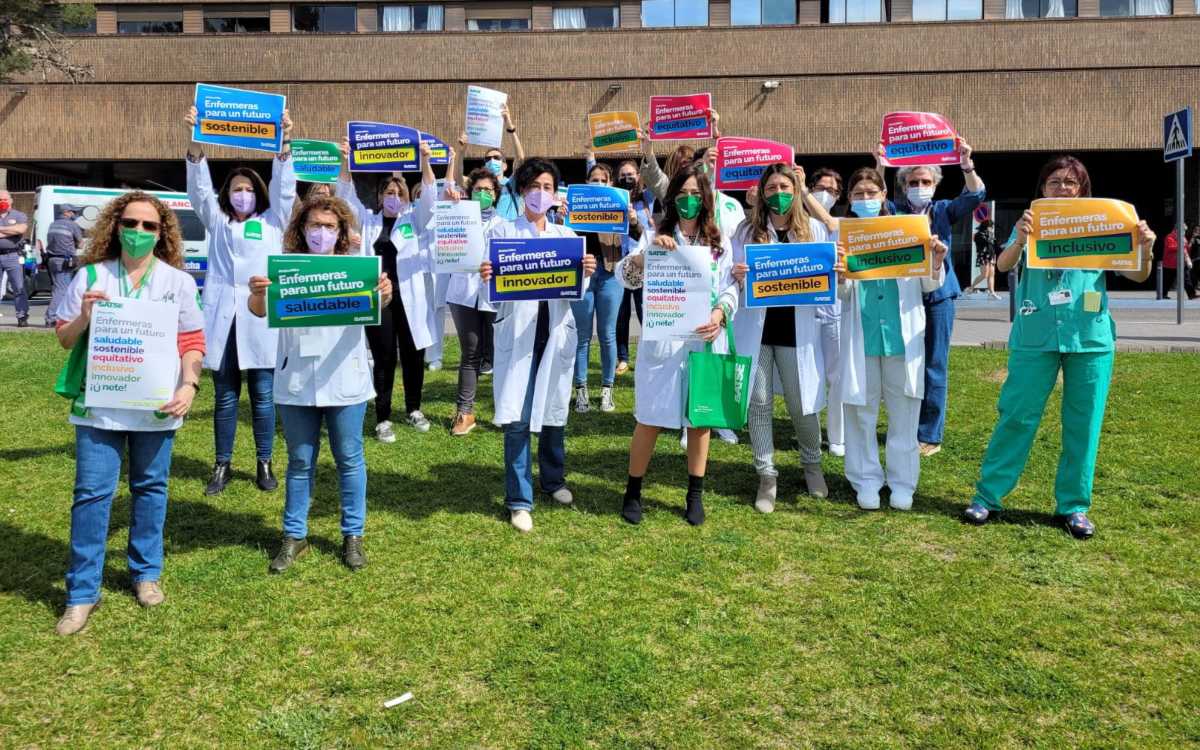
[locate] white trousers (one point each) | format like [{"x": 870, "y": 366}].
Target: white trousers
[
  {"x": 884, "y": 380},
  {"x": 831, "y": 349},
  {"x": 762, "y": 409}
]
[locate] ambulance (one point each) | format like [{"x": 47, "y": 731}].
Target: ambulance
[{"x": 89, "y": 201}]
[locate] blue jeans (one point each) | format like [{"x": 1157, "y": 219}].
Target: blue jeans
[
  {"x": 227, "y": 391},
  {"x": 631, "y": 299},
  {"x": 302, "y": 431},
  {"x": 98, "y": 456},
  {"x": 60, "y": 280},
  {"x": 518, "y": 461},
  {"x": 603, "y": 297},
  {"x": 939, "y": 323}
]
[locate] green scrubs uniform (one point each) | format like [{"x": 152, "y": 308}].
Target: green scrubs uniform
[{"x": 1077, "y": 336}]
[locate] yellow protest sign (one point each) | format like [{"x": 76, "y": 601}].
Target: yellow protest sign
[
  {"x": 1098, "y": 234},
  {"x": 613, "y": 131},
  {"x": 887, "y": 247}
]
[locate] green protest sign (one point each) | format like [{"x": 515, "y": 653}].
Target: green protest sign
[
  {"x": 316, "y": 161},
  {"x": 322, "y": 290}
]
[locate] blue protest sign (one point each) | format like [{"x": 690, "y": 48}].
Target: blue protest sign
[
  {"x": 598, "y": 208},
  {"x": 1177, "y": 135},
  {"x": 439, "y": 152},
  {"x": 782, "y": 275},
  {"x": 535, "y": 268},
  {"x": 239, "y": 118},
  {"x": 381, "y": 147}
]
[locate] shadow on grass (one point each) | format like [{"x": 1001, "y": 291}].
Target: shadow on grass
[{"x": 38, "y": 451}]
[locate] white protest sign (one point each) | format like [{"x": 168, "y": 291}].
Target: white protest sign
[
  {"x": 676, "y": 292},
  {"x": 458, "y": 237},
  {"x": 485, "y": 124},
  {"x": 133, "y": 355}
]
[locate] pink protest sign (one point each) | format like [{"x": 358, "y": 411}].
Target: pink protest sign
[
  {"x": 741, "y": 161},
  {"x": 918, "y": 139},
  {"x": 680, "y": 118}
]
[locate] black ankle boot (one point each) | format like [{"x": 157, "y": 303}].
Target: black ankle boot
[
  {"x": 265, "y": 479},
  {"x": 220, "y": 478}
]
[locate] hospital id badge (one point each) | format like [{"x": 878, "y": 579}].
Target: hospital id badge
[
  {"x": 312, "y": 343},
  {"x": 1060, "y": 297}
]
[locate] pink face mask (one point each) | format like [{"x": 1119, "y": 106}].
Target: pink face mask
[
  {"x": 321, "y": 240},
  {"x": 538, "y": 201},
  {"x": 243, "y": 201}
]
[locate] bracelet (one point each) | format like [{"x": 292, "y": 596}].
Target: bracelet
[
  {"x": 968, "y": 171},
  {"x": 511, "y": 130}
]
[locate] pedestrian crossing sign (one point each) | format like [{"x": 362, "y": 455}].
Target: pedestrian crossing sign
[{"x": 1177, "y": 135}]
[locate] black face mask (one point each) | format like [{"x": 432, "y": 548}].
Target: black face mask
[{"x": 629, "y": 183}]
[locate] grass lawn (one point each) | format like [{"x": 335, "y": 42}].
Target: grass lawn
[{"x": 817, "y": 626}]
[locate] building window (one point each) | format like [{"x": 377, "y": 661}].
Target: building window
[
  {"x": 596, "y": 17},
  {"x": 947, "y": 10},
  {"x": 149, "y": 20},
  {"x": 763, "y": 12},
  {"x": 1135, "y": 7},
  {"x": 659, "y": 13},
  {"x": 856, "y": 11},
  {"x": 411, "y": 17},
  {"x": 497, "y": 24},
  {"x": 236, "y": 19},
  {"x": 328, "y": 18},
  {"x": 1041, "y": 8}
]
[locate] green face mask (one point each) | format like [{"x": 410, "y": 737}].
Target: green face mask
[
  {"x": 688, "y": 206},
  {"x": 484, "y": 198},
  {"x": 780, "y": 203},
  {"x": 136, "y": 243}
]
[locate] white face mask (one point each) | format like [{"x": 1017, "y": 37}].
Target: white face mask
[
  {"x": 825, "y": 198},
  {"x": 919, "y": 197}
]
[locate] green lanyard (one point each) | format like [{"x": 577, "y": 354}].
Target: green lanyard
[{"x": 123, "y": 280}]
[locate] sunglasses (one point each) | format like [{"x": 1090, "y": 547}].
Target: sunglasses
[{"x": 149, "y": 226}]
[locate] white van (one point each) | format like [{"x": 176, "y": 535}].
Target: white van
[{"x": 90, "y": 200}]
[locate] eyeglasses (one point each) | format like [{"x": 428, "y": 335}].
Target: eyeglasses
[
  {"x": 149, "y": 226},
  {"x": 1067, "y": 184}
]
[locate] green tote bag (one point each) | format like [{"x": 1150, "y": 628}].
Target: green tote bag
[
  {"x": 718, "y": 387},
  {"x": 74, "y": 370}
]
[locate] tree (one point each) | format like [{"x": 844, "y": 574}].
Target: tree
[{"x": 31, "y": 37}]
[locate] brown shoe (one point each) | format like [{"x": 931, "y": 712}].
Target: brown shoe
[
  {"x": 75, "y": 618},
  {"x": 149, "y": 594},
  {"x": 463, "y": 424},
  {"x": 930, "y": 449}
]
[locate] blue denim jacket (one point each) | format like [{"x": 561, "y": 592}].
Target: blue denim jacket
[{"x": 943, "y": 215}]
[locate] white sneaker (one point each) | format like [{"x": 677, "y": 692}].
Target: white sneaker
[
  {"x": 683, "y": 438},
  {"x": 765, "y": 501},
  {"x": 522, "y": 521},
  {"x": 485, "y": 370},
  {"x": 993, "y": 295},
  {"x": 837, "y": 449},
  {"x": 418, "y": 422},
  {"x": 900, "y": 502},
  {"x": 435, "y": 365},
  {"x": 581, "y": 399},
  {"x": 606, "y": 399},
  {"x": 728, "y": 436},
  {"x": 384, "y": 432},
  {"x": 562, "y": 496},
  {"x": 869, "y": 502}
]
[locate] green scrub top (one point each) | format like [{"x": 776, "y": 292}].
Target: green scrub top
[
  {"x": 1082, "y": 324},
  {"x": 879, "y": 303}
]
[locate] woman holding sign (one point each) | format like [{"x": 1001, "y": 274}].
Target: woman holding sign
[
  {"x": 785, "y": 341},
  {"x": 660, "y": 379},
  {"x": 136, "y": 253},
  {"x": 245, "y": 220},
  {"x": 883, "y": 359},
  {"x": 397, "y": 234},
  {"x": 321, "y": 375},
  {"x": 600, "y": 304},
  {"x": 535, "y": 358},
  {"x": 1063, "y": 326}
]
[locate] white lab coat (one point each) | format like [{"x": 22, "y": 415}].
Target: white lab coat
[
  {"x": 413, "y": 261},
  {"x": 912, "y": 326},
  {"x": 515, "y": 329},
  {"x": 464, "y": 288},
  {"x": 324, "y": 366},
  {"x": 660, "y": 375},
  {"x": 233, "y": 257},
  {"x": 749, "y": 322}
]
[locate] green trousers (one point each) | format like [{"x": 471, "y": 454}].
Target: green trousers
[{"x": 1031, "y": 377}]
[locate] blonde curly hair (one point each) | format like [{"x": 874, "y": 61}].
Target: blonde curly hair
[
  {"x": 293, "y": 238},
  {"x": 106, "y": 243}
]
